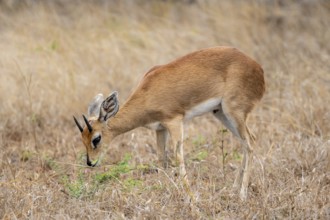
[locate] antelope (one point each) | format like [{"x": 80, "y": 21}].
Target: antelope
[{"x": 219, "y": 80}]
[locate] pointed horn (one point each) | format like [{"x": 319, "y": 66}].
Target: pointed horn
[
  {"x": 78, "y": 125},
  {"x": 90, "y": 129}
]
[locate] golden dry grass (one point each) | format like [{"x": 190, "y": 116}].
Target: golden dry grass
[{"x": 55, "y": 56}]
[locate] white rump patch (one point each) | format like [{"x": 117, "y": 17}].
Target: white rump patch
[{"x": 202, "y": 108}]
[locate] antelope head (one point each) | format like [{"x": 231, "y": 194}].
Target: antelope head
[{"x": 99, "y": 111}]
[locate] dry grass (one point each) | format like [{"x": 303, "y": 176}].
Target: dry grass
[{"x": 55, "y": 56}]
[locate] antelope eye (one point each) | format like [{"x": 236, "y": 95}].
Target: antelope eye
[{"x": 96, "y": 141}]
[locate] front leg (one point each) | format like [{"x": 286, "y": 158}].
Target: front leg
[
  {"x": 175, "y": 128},
  {"x": 162, "y": 136}
]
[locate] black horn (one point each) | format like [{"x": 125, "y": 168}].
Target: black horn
[
  {"x": 90, "y": 129},
  {"x": 78, "y": 125}
]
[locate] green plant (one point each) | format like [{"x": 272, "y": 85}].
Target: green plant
[
  {"x": 200, "y": 156},
  {"x": 54, "y": 45},
  {"x": 199, "y": 140},
  {"x": 75, "y": 188},
  {"x": 51, "y": 163},
  {"x": 236, "y": 155},
  {"x": 114, "y": 172},
  {"x": 81, "y": 187},
  {"x": 26, "y": 155},
  {"x": 131, "y": 183}
]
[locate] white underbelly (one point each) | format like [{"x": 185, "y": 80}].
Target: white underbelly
[
  {"x": 155, "y": 126},
  {"x": 202, "y": 108}
]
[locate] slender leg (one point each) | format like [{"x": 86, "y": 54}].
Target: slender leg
[
  {"x": 251, "y": 135},
  {"x": 175, "y": 128},
  {"x": 248, "y": 151},
  {"x": 239, "y": 174},
  {"x": 236, "y": 123},
  {"x": 243, "y": 174},
  {"x": 161, "y": 144}
]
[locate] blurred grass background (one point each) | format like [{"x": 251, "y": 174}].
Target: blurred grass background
[{"x": 55, "y": 56}]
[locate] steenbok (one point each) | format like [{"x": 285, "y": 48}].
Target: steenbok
[{"x": 220, "y": 80}]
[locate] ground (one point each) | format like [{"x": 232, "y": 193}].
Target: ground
[{"x": 56, "y": 56}]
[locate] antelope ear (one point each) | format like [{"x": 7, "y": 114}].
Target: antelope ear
[
  {"x": 109, "y": 107},
  {"x": 95, "y": 105}
]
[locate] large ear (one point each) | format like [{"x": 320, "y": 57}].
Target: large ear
[
  {"x": 95, "y": 105},
  {"x": 109, "y": 107}
]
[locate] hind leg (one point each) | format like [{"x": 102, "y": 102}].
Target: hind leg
[
  {"x": 235, "y": 121},
  {"x": 231, "y": 125},
  {"x": 240, "y": 173}
]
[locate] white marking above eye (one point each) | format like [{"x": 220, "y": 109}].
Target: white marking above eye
[{"x": 96, "y": 135}]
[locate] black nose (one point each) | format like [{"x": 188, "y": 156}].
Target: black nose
[{"x": 89, "y": 163}]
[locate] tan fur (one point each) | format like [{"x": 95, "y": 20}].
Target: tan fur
[{"x": 167, "y": 92}]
